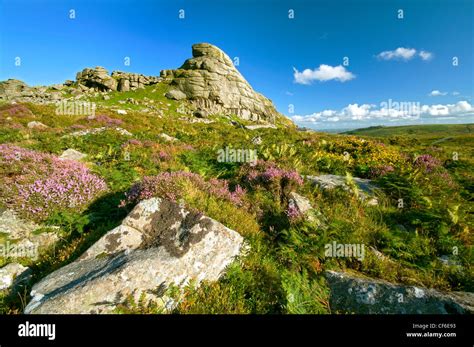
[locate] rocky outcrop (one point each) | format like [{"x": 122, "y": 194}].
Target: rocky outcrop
[
  {"x": 132, "y": 81},
  {"x": 159, "y": 243},
  {"x": 211, "y": 82},
  {"x": 15, "y": 90},
  {"x": 13, "y": 87},
  {"x": 99, "y": 79},
  {"x": 96, "y": 78},
  {"x": 353, "y": 294}
]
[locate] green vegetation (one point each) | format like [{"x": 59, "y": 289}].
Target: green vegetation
[{"x": 429, "y": 167}]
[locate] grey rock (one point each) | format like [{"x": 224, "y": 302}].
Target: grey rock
[
  {"x": 72, "y": 154},
  {"x": 168, "y": 138},
  {"x": 211, "y": 82},
  {"x": 158, "y": 244},
  {"x": 305, "y": 208},
  {"x": 96, "y": 78},
  {"x": 36, "y": 125},
  {"x": 175, "y": 95},
  {"x": 366, "y": 188},
  {"x": 353, "y": 294},
  {"x": 22, "y": 238},
  {"x": 13, "y": 274}
]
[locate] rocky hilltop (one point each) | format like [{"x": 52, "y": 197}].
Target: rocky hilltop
[{"x": 210, "y": 81}]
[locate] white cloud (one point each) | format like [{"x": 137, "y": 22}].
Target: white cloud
[
  {"x": 323, "y": 73},
  {"x": 390, "y": 110},
  {"x": 405, "y": 54},
  {"x": 437, "y": 93},
  {"x": 399, "y": 53},
  {"x": 455, "y": 93},
  {"x": 424, "y": 55}
]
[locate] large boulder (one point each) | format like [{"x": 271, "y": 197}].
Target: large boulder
[
  {"x": 211, "y": 82},
  {"x": 158, "y": 244},
  {"x": 354, "y": 294}
]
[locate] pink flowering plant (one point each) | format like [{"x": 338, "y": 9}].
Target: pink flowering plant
[
  {"x": 267, "y": 175},
  {"x": 172, "y": 186},
  {"x": 37, "y": 185}
]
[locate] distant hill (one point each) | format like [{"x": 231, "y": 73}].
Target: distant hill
[{"x": 415, "y": 130}]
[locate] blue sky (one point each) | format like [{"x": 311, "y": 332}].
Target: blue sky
[{"x": 407, "y": 60}]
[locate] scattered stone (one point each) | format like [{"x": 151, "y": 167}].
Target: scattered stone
[
  {"x": 366, "y": 188},
  {"x": 72, "y": 154},
  {"x": 106, "y": 97},
  {"x": 168, "y": 138},
  {"x": 449, "y": 260},
  {"x": 359, "y": 295},
  {"x": 36, "y": 125},
  {"x": 121, "y": 112},
  {"x": 158, "y": 244},
  {"x": 305, "y": 208},
  {"x": 12, "y": 275},
  {"x": 257, "y": 140}
]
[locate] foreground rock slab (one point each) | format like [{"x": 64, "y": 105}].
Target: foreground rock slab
[
  {"x": 159, "y": 243},
  {"x": 353, "y": 294}
]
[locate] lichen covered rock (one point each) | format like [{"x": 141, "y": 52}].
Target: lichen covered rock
[{"x": 159, "y": 243}]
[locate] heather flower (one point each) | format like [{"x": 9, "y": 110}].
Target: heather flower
[
  {"x": 427, "y": 162},
  {"x": 17, "y": 110},
  {"x": 108, "y": 121},
  {"x": 293, "y": 212},
  {"x": 381, "y": 170},
  {"x": 171, "y": 186},
  {"x": 163, "y": 155},
  {"x": 39, "y": 184},
  {"x": 132, "y": 142}
]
